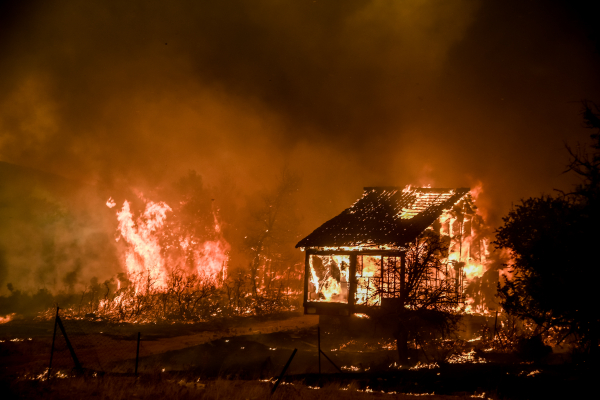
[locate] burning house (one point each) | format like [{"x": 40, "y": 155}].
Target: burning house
[{"x": 363, "y": 258}]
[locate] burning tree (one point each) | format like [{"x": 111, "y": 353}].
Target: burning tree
[
  {"x": 162, "y": 239},
  {"x": 554, "y": 277},
  {"x": 273, "y": 227}
]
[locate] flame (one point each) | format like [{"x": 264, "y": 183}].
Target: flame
[
  {"x": 7, "y": 318},
  {"x": 476, "y": 190},
  {"x": 212, "y": 258},
  {"x": 143, "y": 258},
  {"x": 314, "y": 279},
  {"x": 146, "y": 260},
  {"x": 330, "y": 288},
  {"x": 474, "y": 270}
]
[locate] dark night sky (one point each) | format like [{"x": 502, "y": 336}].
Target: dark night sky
[{"x": 349, "y": 94}]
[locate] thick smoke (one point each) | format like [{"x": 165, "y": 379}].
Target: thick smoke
[{"x": 134, "y": 94}]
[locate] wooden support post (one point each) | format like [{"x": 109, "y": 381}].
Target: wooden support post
[
  {"x": 53, "y": 341},
  {"x": 402, "y": 335},
  {"x": 283, "y": 371},
  {"x": 306, "y": 277},
  {"x": 403, "y": 279},
  {"x": 422, "y": 348},
  {"x": 381, "y": 290},
  {"x": 137, "y": 354},
  {"x": 319, "y": 346},
  {"x": 352, "y": 284},
  {"x": 71, "y": 350}
]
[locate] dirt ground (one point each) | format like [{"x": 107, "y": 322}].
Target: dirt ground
[{"x": 255, "y": 350}]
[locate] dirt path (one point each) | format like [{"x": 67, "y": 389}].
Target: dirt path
[
  {"x": 107, "y": 349},
  {"x": 182, "y": 342}
]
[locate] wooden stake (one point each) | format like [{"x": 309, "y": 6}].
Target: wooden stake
[
  {"x": 319, "y": 345},
  {"x": 137, "y": 354},
  {"x": 283, "y": 371},
  {"x": 53, "y": 340},
  {"x": 71, "y": 350}
]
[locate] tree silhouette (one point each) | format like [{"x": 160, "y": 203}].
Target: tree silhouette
[
  {"x": 553, "y": 240},
  {"x": 425, "y": 301},
  {"x": 272, "y": 228}
]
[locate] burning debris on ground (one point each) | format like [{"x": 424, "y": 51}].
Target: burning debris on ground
[{"x": 218, "y": 358}]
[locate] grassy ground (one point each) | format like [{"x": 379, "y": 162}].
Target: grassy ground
[
  {"x": 238, "y": 360},
  {"x": 155, "y": 387}
]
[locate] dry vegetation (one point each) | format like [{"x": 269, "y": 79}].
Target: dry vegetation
[
  {"x": 187, "y": 298},
  {"x": 155, "y": 386},
  {"x": 230, "y": 364}
]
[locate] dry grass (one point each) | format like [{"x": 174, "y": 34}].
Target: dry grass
[{"x": 156, "y": 387}]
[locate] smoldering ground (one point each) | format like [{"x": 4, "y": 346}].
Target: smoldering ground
[{"x": 120, "y": 95}]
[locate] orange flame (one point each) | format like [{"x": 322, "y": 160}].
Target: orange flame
[{"x": 145, "y": 259}]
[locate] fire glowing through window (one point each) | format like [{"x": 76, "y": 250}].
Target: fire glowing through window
[
  {"x": 153, "y": 253},
  {"x": 330, "y": 278}
]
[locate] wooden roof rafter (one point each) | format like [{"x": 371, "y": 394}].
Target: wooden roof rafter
[{"x": 385, "y": 216}]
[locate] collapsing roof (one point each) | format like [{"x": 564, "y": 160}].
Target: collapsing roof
[{"x": 385, "y": 216}]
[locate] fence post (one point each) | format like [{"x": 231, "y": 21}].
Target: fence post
[
  {"x": 53, "y": 340},
  {"x": 319, "y": 345},
  {"x": 283, "y": 371},
  {"x": 137, "y": 354},
  {"x": 69, "y": 346}
]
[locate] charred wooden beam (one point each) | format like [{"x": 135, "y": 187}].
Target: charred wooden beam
[{"x": 391, "y": 253}]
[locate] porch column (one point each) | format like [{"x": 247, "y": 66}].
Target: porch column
[
  {"x": 306, "y": 275},
  {"x": 403, "y": 279},
  {"x": 352, "y": 278}
]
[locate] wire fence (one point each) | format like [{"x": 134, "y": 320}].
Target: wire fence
[
  {"x": 80, "y": 344},
  {"x": 88, "y": 346},
  {"x": 97, "y": 347}
]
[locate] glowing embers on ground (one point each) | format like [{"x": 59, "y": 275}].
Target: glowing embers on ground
[{"x": 156, "y": 248}]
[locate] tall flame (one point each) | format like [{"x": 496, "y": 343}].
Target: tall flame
[
  {"x": 143, "y": 259},
  {"x": 146, "y": 261}
]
